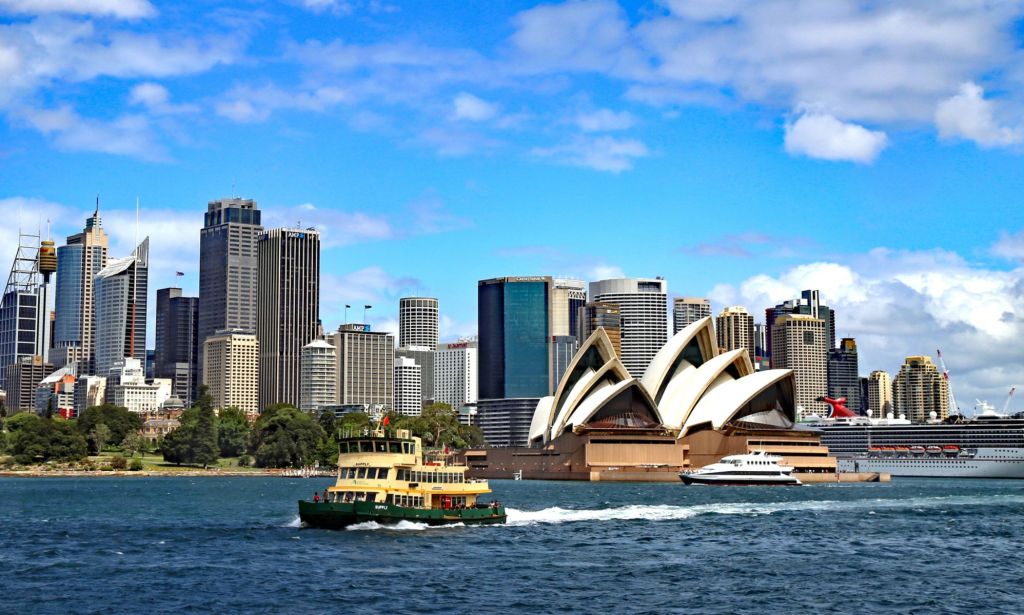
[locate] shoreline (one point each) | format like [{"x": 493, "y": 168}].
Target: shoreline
[{"x": 146, "y": 473}]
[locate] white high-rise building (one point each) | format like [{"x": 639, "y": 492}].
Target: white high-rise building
[
  {"x": 799, "y": 343},
  {"x": 417, "y": 322},
  {"x": 643, "y": 313},
  {"x": 366, "y": 366},
  {"x": 567, "y": 297},
  {"x": 127, "y": 387},
  {"x": 318, "y": 380},
  {"x": 120, "y": 304},
  {"x": 688, "y": 310},
  {"x": 455, "y": 369},
  {"x": 880, "y": 394},
  {"x": 408, "y": 392},
  {"x": 231, "y": 370}
]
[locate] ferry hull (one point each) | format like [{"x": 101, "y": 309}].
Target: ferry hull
[
  {"x": 341, "y": 515},
  {"x": 692, "y": 479}
]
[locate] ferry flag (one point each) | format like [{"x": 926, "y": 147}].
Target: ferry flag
[{"x": 387, "y": 421}]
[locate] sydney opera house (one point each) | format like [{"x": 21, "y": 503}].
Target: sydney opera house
[{"x": 692, "y": 406}]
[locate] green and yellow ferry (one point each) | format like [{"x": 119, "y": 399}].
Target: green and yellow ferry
[{"x": 383, "y": 477}]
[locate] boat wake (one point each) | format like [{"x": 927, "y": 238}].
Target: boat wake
[
  {"x": 556, "y": 515},
  {"x": 401, "y": 526},
  {"x": 295, "y": 522}
]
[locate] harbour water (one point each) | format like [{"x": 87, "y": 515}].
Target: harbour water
[{"x": 162, "y": 545}]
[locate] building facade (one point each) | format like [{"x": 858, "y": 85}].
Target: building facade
[
  {"x": 506, "y": 422},
  {"x": 843, "y": 376},
  {"x": 688, "y": 310},
  {"x": 228, "y": 264},
  {"x": 643, "y": 312},
  {"x": 287, "y": 309},
  {"x": 408, "y": 388},
  {"x": 231, "y": 370},
  {"x": 127, "y": 387},
  {"x": 319, "y": 376},
  {"x": 417, "y": 322},
  {"x": 424, "y": 358},
  {"x": 808, "y": 304},
  {"x": 78, "y": 261},
  {"x": 513, "y": 316},
  {"x": 366, "y": 366},
  {"x": 90, "y": 391},
  {"x": 455, "y": 373},
  {"x": 176, "y": 355},
  {"x": 920, "y": 392},
  {"x": 56, "y": 393},
  {"x": 567, "y": 297},
  {"x": 734, "y": 328},
  {"x": 121, "y": 296},
  {"x": 596, "y": 315},
  {"x": 798, "y": 343},
  {"x": 880, "y": 394},
  {"x": 23, "y": 378}
]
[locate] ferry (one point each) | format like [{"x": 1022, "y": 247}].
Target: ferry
[
  {"x": 385, "y": 477},
  {"x": 749, "y": 469}
]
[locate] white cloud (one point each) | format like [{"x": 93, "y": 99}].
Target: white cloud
[
  {"x": 472, "y": 108},
  {"x": 967, "y": 115},
  {"x": 451, "y": 330},
  {"x": 599, "y": 153},
  {"x": 605, "y": 272},
  {"x": 156, "y": 99},
  {"x": 127, "y": 135},
  {"x": 901, "y": 303},
  {"x": 247, "y": 104},
  {"x": 1010, "y": 246},
  {"x": 338, "y": 7},
  {"x": 123, "y": 9},
  {"x": 604, "y": 120},
  {"x": 819, "y": 135},
  {"x": 337, "y": 228},
  {"x": 367, "y": 286}
]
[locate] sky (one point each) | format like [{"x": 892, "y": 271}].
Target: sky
[{"x": 743, "y": 150}]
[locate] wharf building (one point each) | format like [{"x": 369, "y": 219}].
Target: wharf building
[
  {"x": 319, "y": 376},
  {"x": 596, "y": 315},
  {"x": 734, "y": 328},
  {"x": 643, "y": 313},
  {"x": 688, "y": 310},
  {"x": 880, "y": 394},
  {"x": 692, "y": 406},
  {"x": 120, "y": 299},
  {"x": 228, "y": 264},
  {"x": 843, "y": 376},
  {"x": 176, "y": 355},
  {"x": 514, "y": 321},
  {"x": 22, "y": 307},
  {"x": 408, "y": 388},
  {"x": 231, "y": 370},
  {"x": 366, "y": 367},
  {"x": 127, "y": 387},
  {"x": 417, "y": 322},
  {"x": 798, "y": 344},
  {"x": 287, "y": 309},
  {"x": 920, "y": 392},
  {"x": 82, "y": 257},
  {"x": 23, "y": 378},
  {"x": 455, "y": 374},
  {"x": 808, "y": 304}
]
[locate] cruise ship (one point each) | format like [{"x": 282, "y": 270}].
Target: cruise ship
[{"x": 987, "y": 446}]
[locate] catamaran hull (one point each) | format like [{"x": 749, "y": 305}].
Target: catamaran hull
[
  {"x": 341, "y": 515},
  {"x": 692, "y": 479}
]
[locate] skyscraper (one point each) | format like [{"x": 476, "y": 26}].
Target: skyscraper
[
  {"x": 880, "y": 394},
  {"x": 231, "y": 370},
  {"x": 22, "y": 316},
  {"x": 78, "y": 262},
  {"x": 408, "y": 390},
  {"x": 455, "y": 373},
  {"x": 287, "y": 309},
  {"x": 798, "y": 343},
  {"x": 843, "y": 376},
  {"x": 809, "y": 304},
  {"x": 688, "y": 310},
  {"x": 319, "y": 376},
  {"x": 366, "y": 366},
  {"x": 643, "y": 310},
  {"x": 514, "y": 320},
  {"x": 177, "y": 342},
  {"x": 22, "y": 378},
  {"x": 227, "y": 267},
  {"x": 734, "y": 328},
  {"x": 567, "y": 297},
  {"x": 597, "y": 314},
  {"x": 919, "y": 390},
  {"x": 417, "y": 322},
  {"x": 424, "y": 358},
  {"x": 120, "y": 309}
]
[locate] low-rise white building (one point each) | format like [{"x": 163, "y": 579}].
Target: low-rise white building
[{"x": 127, "y": 387}]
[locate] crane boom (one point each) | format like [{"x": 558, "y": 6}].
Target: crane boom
[
  {"x": 1006, "y": 406},
  {"x": 949, "y": 387}
]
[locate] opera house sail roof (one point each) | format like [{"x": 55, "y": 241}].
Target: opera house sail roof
[{"x": 687, "y": 386}]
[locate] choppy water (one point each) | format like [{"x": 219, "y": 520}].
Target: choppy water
[{"x": 161, "y": 545}]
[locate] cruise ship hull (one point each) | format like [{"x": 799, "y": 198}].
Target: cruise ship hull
[{"x": 988, "y": 463}]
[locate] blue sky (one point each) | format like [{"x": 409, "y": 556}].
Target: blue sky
[{"x": 741, "y": 150}]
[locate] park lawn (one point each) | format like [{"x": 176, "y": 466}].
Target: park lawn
[{"x": 154, "y": 462}]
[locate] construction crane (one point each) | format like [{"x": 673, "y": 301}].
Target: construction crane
[
  {"x": 945, "y": 376},
  {"x": 1009, "y": 397}
]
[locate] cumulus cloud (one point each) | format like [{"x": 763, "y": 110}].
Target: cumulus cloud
[
  {"x": 604, "y": 120},
  {"x": 127, "y": 135},
  {"x": 901, "y": 303},
  {"x": 367, "y": 286},
  {"x": 246, "y": 104},
  {"x": 610, "y": 154},
  {"x": 1010, "y": 246},
  {"x": 820, "y": 135},
  {"x": 967, "y": 115},
  {"x": 469, "y": 107},
  {"x": 123, "y": 9}
]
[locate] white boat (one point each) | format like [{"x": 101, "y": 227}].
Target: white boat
[{"x": 750, "y": 469}]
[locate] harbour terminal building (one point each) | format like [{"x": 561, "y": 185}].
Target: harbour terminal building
[{"x": 692, "y": 406}]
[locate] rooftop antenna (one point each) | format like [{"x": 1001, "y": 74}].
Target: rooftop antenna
[{"x": 135, "y": 279}]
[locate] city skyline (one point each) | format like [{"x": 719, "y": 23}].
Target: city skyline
[{"x": 914, "y": 238}]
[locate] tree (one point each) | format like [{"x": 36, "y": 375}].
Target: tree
[
  {"x": 353, "y": 423},
  {"x": 133, "y": 443},
  {"x": 195, "y": 440},
  {"x": 328, "y": 422},
  {"x": 285, "y": 437},
  {"x": 99, "y": 436},
  {"x": 41, "y": 439},
  {"x": 232, "y": 432},
  {"x": 119, "y": 419},
  {"x": 438, "y": 425}
]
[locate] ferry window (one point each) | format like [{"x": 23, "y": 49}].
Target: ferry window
[
  {"x": 365, "y": 447},
  {"x": 382, "y": 447},
  {"x": 360, "y": 472},
  {"x": 405, "y": 448},
  {"x": 343, "y": 447},
  {"x": 382, "y": 473},
  {"x": 394, "y": 447}
]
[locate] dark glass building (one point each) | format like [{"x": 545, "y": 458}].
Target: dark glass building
[
  {"x": 177, "y": 342},
  {"x": 514, "y": 327},
  {"x": 843, "y": 379}
]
